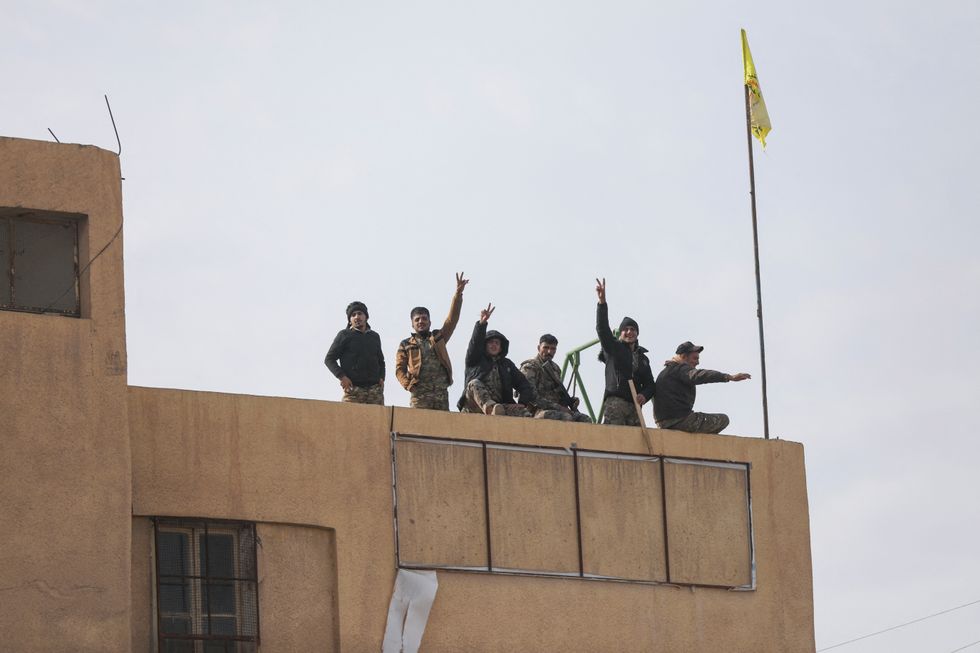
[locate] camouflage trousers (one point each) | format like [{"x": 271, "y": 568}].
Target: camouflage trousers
[
  {"x": 371, "y": 394},
  {"x": 434, "y": 396},
  {"x": 619, "y": 411},
  {"x": 479, "y": 399},
  {"x": 563, "y": 416},
  {"x": 697, "y": 423}
]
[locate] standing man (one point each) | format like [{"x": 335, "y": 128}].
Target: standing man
[
  {"x": 677, "y": 388},
  {"x": 625, "y": 359},
  {"x": 361, "y": 367},
  {"x": 422, "y": 362},
  {"x": 491, "y": 377},
  {"x": 551, "y": 398}
]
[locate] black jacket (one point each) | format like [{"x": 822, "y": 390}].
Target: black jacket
[
  {"x": 360, "y": 357},
  {"x": 677, "y": 389},
  {"x": 478, "y": 364},
  {"x": 618, "y": 358}
]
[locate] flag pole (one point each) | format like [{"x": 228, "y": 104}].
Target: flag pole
[{"x": 758, "y": 276}]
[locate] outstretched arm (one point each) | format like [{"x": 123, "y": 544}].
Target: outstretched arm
[
  {"x": 711, "y": 376},
  {"x": 455, "y": 306},
  {"x": 477, "y": 346},
  {"x": 602, "y": 329}
]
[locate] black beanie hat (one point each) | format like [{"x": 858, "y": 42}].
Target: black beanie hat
[
  {"x": 357, "y": 306},
  {"x": 628, "y": 321}
]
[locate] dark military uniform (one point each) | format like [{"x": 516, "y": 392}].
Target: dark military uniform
[
  {"x": 492, "y": 381},
  {"x": 552, "y": 400},
  {"x": 676, "y": 393},
  {"x": 623, "y": 363}
]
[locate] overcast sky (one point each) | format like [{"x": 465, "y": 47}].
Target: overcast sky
[{"x": 283, "y": 160}]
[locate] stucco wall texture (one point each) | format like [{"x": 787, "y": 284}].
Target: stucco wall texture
[
  {"x": 329, "y": 465},
  {"x": 87, "y": 461},
  {"x": 65, "y": 483}
]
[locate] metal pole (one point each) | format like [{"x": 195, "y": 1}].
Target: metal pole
[{"x": 758, "y": 276}]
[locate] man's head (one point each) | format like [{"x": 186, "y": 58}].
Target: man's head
[
  {"x": 420, "y": 319},
  {"x": 629, "y": 330},
  {"x": 357, "y": 315},
  {"x": 689, "y": 353},
  {"x": 547, "y": 345},
  {"x": 494, "y": 346}
]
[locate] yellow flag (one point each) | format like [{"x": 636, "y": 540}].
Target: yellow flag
[{"x": 757, "y": 106}]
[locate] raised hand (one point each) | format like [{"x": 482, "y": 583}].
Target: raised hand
[
  {"x": 741, "y": 376},
  {"x": 600, "y": 289},
  {"x": 486, "y": 313},
  {"x": 460, "y": 282}
]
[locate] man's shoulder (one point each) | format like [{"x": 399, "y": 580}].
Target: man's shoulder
[
  {"x": 409, "y": 341},
  {"x": 531, "y": 362}
]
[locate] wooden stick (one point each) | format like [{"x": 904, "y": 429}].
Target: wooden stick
[{"x": 639, "y": 414}]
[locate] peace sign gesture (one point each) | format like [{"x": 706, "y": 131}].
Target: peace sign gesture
[
  {"x": 461, "y": 282},
  {"x": 486, "y": 313},
  {"x": 600, "y": 289}
]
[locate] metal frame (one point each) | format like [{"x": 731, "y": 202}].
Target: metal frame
[
  {"x": 574, "y": 358},
  {"x": 202, "y": 525},
  {"x": 575, "y": 453},
  {"x": 8, "y": 220}
]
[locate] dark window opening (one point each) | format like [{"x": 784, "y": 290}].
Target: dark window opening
[
  {"x": 39, "y": 262},
  {"x": 206, "y": 586}
]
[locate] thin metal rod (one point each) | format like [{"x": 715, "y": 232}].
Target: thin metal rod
[
  {"x": 206, "y": 587},
  {"x": 758, "y": 276},
  {"x": 156, "y": 563},
  {"x": 53, "y": 136},
  {"x": 486, "y": 506},
  {"x": 663, "y": 504},
  {"x": 118, "y": 142},
  {"x": 578, "y": 515},
  {"x": 255, "y": 586},
  {"x": 394, "y": 497}
]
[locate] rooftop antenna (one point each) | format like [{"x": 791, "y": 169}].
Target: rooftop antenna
[
  {"x": 118, "y": 142},
  {"x": 53, "y": 136}
]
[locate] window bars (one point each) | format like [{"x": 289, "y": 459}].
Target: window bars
[{"x": 206, "y": 586}]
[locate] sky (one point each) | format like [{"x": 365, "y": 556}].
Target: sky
[{"x": 282, "y": 160}]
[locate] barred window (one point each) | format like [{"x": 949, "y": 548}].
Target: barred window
[
  {"x": 39, "y": 261},
  {"x": 206, "y": 586}
]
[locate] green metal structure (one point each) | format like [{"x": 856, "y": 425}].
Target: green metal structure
[{"x": 572, "y": 360}]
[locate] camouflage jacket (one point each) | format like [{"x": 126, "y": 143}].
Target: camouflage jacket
[
  {"x": 408, "y": 359},
  {"x": 545, "y": 378}
]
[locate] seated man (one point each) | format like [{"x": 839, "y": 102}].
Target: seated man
[
  {"x": 355, "y": 358},
  {"x": 551, "y": 398},
  {"x": 625, "y": 360},
  {"x": 491, "y": 377},
  {"x": 677, "y": 388},
  {"x": 422, "y": 362}
]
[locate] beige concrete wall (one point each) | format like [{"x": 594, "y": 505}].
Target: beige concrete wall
[
  {"x": 297, "y": 588},
  {"x": 329, "y": 465},
  {"x": 83, "y": 453},
  {"x": 277, "y": 460},
  {"x": 65, "y": 468}
]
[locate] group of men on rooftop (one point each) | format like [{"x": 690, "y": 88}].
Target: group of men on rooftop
[{"x": 494, "y": 385}]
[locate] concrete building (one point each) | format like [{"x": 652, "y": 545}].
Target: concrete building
[{"x": 149, "y": 519}]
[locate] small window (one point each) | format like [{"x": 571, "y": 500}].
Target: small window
[
  {"x": 38, "y": 262},
  {"x": 206, "y": 586}
]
